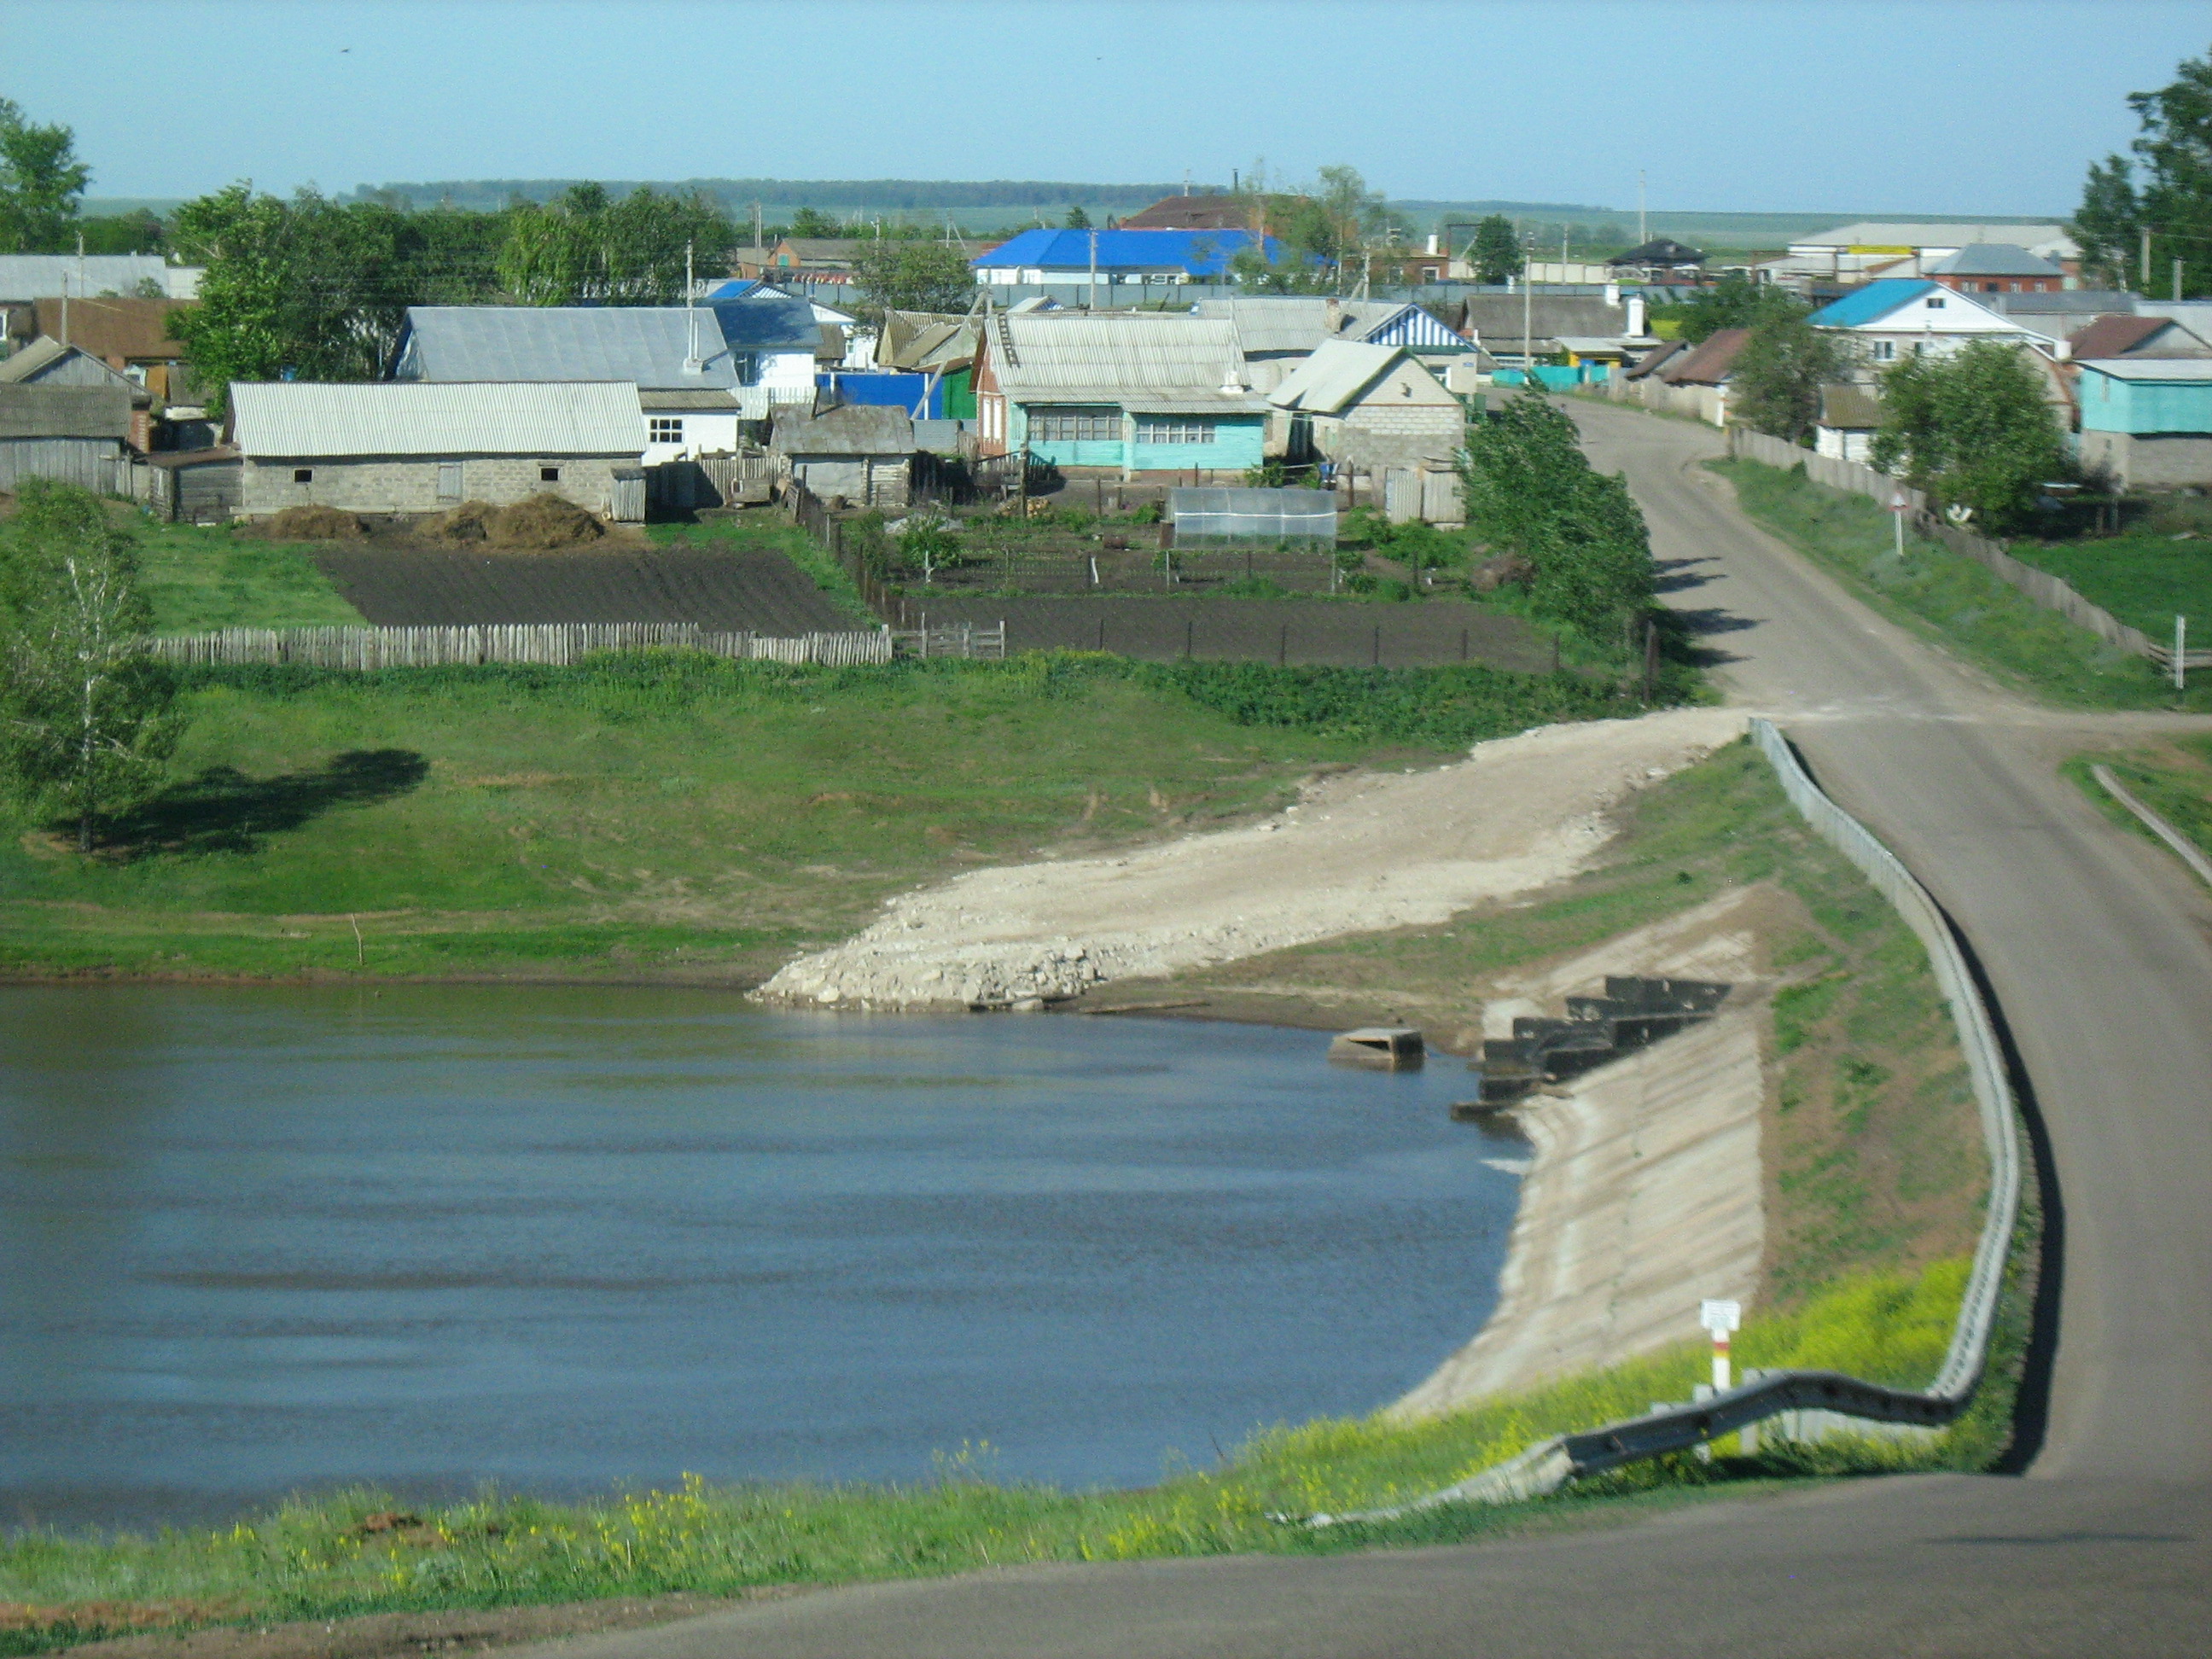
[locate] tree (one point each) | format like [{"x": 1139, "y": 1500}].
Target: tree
[
  {"x": 1077, "y": 219},
  {"x": 914, "y": 275},
  {"x": 41, "y": 179},
  {"x": 812, "y": 222},
  {"x": 1530, "y": 490},
  {"x": 87, "y": 717},
  {"x": 1973, "y": 429},
  {"x": 2173, "y": 200},
  {"x": 1778, "y": 374},
  {"x": 1734, "y": 301},
  {"x": 588, "y": 249},
  {"x": 1496, "y": 253}
]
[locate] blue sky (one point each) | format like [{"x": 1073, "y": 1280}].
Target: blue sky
[{"x": 1876, "y": 106}]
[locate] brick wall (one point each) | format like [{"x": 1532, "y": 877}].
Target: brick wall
[{"x": 379, "y": 484}]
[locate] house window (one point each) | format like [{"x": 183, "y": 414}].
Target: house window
[
  {"x": 664, "y": 429},
  {"x": 1885, "y": 351},
  {"x": 549, "y": 475},
  {"x": 1075, "y": 426},
  {"x": 303, "y": 475},
  {"x": 1935, "y": 304},
  {"x": 1158, "y": 429}
]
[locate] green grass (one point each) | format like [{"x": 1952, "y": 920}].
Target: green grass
[
  {"x": 2173, "y": 778},
  {"x": 312, "y": 1558},
  {"x": 667, "y": 814},
  {"x": 198, "y": 578},
  {"x": 2143, "y": 577},
  {"x": 1946, "y": 596}
]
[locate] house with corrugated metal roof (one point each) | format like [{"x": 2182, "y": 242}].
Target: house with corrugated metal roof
[
  {"x": 1898, "y": 317},
  {"x": 1128, "y": 392},
  {"x": 1367, "y": 406},
  {"x": 862, "y": 454},
  {"x": 402, "y": 447},
  {"x": 1136, "y": 256},
  {"x": 1279, "y": 331},
  {"x": 699, "y": 369},
  {"x": 2147, "y": 421}
]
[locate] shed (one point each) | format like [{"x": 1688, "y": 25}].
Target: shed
[
  {"x": 73, "y": 433},
  {"x": 1849, "y": 417},
  {"x": 1134, "y": 391},
  {"x": 858, "y": 452},
  {"x": 49, "y": 362},
  {"x": 2147, "y": 421},
  {"x": 402, "y": 448},
  {"x": 195, "y": 486},
  {"x": 1368, "y": 405},
  {"x": 1711, "y": 362}
]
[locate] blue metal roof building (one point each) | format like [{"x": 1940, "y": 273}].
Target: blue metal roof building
[
  {"x": 1127, "y": 255},
  {"x": 1865, "y": 304}
]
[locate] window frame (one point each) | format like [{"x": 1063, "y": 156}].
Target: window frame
[
  {"x": 549, "y": 472},
  {"x": 1177, "y": 431},
  {"x": 663, "y": 428},
  {"x": 1075, "y": 424},
  {"x": 303, "y": 475}
]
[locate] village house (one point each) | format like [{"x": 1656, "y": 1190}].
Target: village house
[
  {"x": 399, "y": 447},
  {"x": 1132, "y": 392},
  {"x": 1191, "y": 213},
  {"x": 1517, "y": 326},
  {"x": 1898, "y": 317},
  {"x": 1997, "y": 268},
  {"x": 860, "y": 453},
  {"x": 27, "y": 278},
  {"x": 1858, "y": 253},
  {"x": 699, "y": 369},
  {"x": 1367, "y": 406},
  {"x": 2147, "y": 421},
  {"x": 1849, "y": 417},
  {"x": 1129, "y": 257},
  {"x": 1279, "y": 331},
  {"x": 49, "y": 362},
  {"x": 2122, "y": 336}
]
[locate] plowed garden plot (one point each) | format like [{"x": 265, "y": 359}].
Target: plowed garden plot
[
  {"x": 1319, "y": 632},
  {"x": 752, "y": 588}
]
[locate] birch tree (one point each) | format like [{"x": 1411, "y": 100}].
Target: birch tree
[{"x": 86, "y": 716}]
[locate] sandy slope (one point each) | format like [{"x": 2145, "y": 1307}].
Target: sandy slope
[{"x": 1357, "y": 853}]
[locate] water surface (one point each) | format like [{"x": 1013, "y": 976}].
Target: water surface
[{"x": 255, "y": 1240}]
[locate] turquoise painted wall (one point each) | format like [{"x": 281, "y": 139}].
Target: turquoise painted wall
[
  {"x": 1239, "y": 444},
  {"x": 2111, "y": 404}
]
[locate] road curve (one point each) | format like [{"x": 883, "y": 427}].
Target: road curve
[{"x": 2097, "y": 948}]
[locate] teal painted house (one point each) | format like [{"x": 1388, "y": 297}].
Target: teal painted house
[
  {"x": 2147, "y": 421},
  {"x": 1126, "y": 392}
]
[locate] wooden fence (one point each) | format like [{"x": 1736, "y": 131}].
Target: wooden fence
[
  {"x": 958, "y": 640},
  {"x": 558, "y": 643},
  {"x": 2052, "y": 592}
]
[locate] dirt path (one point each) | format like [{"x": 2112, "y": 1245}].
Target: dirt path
[{"x": 1357, "y": 853}]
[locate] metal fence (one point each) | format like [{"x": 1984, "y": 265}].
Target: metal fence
[
  {"x": 1547, "y": 1465},
  {"x": 950, "y": 640},
  {"x": 2052, "y": 592},
  {"x": 556, "y": 643}
]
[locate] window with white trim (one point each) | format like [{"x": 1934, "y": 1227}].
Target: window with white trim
[
  {"x": 1885, "y": 351},
  {"x": 1174, "y": 430},
  {"x": 663, "y": 428},
  {"x": 1075, "y": 426}
]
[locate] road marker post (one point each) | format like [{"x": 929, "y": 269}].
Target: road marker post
[
  {"x": 2180, "y": 643},
  {"x": 1898, "y": 507},
  {"x": 1720, "y": 1317}
]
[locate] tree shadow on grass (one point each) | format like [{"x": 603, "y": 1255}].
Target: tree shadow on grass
[{"x": 224, "y": 810}]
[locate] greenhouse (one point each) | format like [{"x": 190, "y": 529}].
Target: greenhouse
[{"x": 1209, "y": 517}]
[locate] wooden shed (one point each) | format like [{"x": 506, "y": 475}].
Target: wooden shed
[
  {"x": 70, "y": 432},
  {"x": 194, "y": 486},
  {"x": 862, "y": 452}
]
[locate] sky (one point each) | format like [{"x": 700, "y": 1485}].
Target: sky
[{"x": 1970, "y": 106}]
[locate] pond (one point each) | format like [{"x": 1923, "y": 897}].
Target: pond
[{"x": 255, "y": 1240}]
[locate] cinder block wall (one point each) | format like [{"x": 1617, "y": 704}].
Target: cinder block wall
[{"x": 388, "y": 484}]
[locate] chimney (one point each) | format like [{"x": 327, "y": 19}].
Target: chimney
[
  {"x": 1433, "y": 247},
  {"x": 1335, "y": 315},
  {"x": 1635, "y": 315}
]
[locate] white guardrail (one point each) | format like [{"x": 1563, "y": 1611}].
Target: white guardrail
[{"x": 1549, "y": 1465}]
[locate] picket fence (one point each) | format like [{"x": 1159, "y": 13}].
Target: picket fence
[
  {"x": 556, "y": 643},
  {"x": 2052, "y": 592}
]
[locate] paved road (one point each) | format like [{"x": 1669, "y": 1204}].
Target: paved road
[{"x": 2099, "y": 948}]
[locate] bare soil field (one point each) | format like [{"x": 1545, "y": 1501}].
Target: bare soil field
[
  {"x": 753, "y": 588},
  {"x": 1316, "y": 632}
]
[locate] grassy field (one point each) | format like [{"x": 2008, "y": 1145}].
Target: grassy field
[
  {"x": 2144, "y": 577},
  {"x": 670, "y": 815},
  {"x": 198, "y": 577},
  {"x": 1877, "y": 1179},
  {"x": 1953, "y": 599}
]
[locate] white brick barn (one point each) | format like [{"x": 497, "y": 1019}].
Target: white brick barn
[
  {"x": 1367, "y": 406},
  {"x": 418, "y": 447}
]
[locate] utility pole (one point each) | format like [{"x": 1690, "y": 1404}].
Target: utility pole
[
  {"x": 2177, "y": 279},
  {"x": 2145, "y": 262},
  {"x": 1527, "y": 313},
  {"x": 1090, "y": 300},
  {"x": 1641, "y": 234}
]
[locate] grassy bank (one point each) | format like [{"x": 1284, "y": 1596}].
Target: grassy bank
[
  {"x": 198, "y": 578},
  {"x": 2158, "y": 566},
  {"x": 2174, "y": 777},
  {"x": 672, "y": 815},
  {"x": 1951, "y": 600},
  {"x": 356, "y": 1553}
]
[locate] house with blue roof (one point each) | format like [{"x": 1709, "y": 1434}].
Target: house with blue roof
[
  {"x": 1117, "y": 256},
  {"x": 1899, "y": 316}
]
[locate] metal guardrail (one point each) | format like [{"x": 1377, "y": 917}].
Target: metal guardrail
[
  {"x": 1550, "y": 1464},
  {"x": 2184, "y": 849}
]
